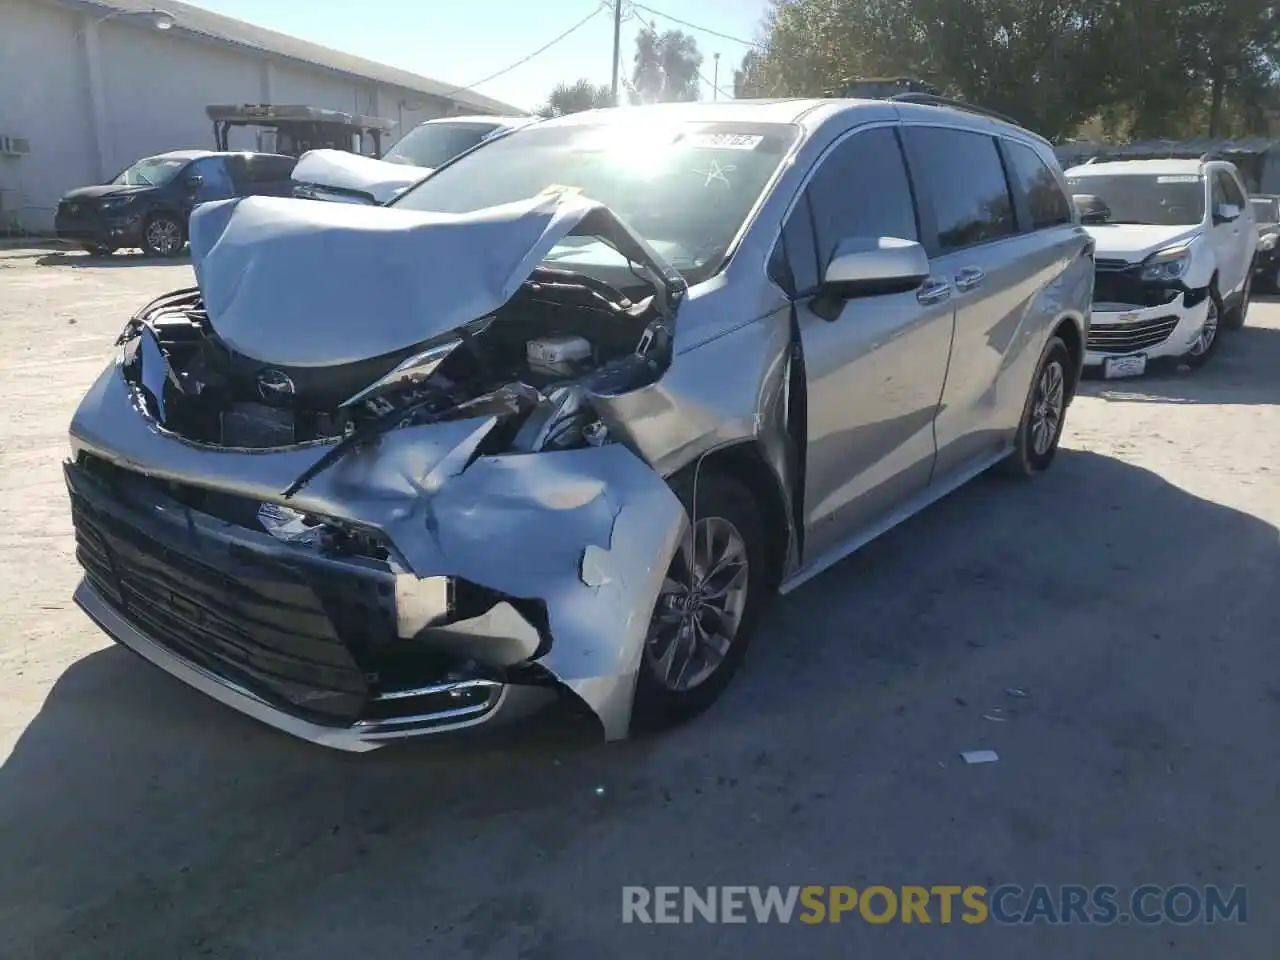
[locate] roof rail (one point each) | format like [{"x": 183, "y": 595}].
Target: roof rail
[{"x": 929, "y": 100}]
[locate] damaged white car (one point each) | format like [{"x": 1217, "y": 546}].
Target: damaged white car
[
  {"x": 556, "y": 423},
  {"x": 344, "y": 177}
]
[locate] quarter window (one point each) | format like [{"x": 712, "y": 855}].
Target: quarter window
[
  {"x": 965, "y": 179},
  {"x": 1038, "y": 186}
]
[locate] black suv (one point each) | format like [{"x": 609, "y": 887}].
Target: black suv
[{"x": 147, "y": 205}]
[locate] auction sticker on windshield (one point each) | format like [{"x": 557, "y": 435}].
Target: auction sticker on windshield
[
  {"x": 1132, "y": 366},
  {"x": 1179, "y": 178},
  {"x": 725, "y": 141}
]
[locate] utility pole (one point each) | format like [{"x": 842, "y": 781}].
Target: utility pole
[
  {"x": 715, "y": 77},
  {"x": 617, "y": 44}
]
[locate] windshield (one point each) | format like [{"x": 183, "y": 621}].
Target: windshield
[
  {"x": 1267, "y": 210},
  {"x": 152, "y": 172},
  {"x": 686, "y": 188},
  {"x": 435, "y": 144},
  {"x": 1167, "y": 200}
]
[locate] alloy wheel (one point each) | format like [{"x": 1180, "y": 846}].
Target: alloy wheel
[
  {"x": 700, "y": 606},
  {"x": 1047, "y": 408},
  {"x": 164, "y": 236},
  {"x": 1208, "y": 332}
]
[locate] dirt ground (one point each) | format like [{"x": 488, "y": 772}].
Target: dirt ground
[{"x": 1132, "y": 591}]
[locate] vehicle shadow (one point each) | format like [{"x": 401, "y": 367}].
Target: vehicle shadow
[
  {"x": 80, "y": 259},
  {"x": 139, "y": 818},
  {"x": 1239, "y": 373}
]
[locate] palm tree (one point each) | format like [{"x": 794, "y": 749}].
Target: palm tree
[
  {"x": 666, "y": 66},
  {"x": 574, "y": 98}
]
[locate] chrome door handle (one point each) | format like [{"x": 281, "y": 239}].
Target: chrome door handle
[
  {"x": 934, "y": 291},
  {"x": 969, "y": 278}
]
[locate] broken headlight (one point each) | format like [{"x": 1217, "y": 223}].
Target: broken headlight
[{"x": 1168, "y": 265}]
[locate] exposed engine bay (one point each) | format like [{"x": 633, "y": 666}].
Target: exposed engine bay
[{"x": 534, "y": 363}]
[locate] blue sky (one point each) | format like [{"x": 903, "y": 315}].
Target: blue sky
[{"x": 462, "y": 41}]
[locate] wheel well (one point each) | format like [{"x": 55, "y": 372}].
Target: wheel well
[
  {"x": 745, "y": 463},
  {"x": 1069, "y": 334}
]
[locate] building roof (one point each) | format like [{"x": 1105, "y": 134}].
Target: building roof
[
  {"x": 188, "y": 19},
  {"x": 1166, "y": 148}
]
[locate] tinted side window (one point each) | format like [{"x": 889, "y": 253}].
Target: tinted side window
[
  {"x": 1231, "y": 190},
  {"x": 860, "y": 189},
  {"x": 216, "y": 174},
  {"x": 794, "y": 264},
  {"x": 1219, "y": 189},
  {"x": 965, "y": 179},
  {"x": 267, "y": 169},
  {"x": 1045, "y": 200}
]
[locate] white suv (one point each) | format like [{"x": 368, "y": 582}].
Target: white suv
[{"x": 1175, "y": 246}]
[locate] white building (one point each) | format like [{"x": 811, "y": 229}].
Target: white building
[{"x": 89, "y": 86}]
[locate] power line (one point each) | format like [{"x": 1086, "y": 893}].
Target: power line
[
  {"x": 694, "y": 26},
  {"x": 523, "y": 60}
]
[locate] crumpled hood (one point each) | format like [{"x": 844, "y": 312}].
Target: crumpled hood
[
  {"x": 379, "y": 179},
  {"x": 299, "y": 283},
  {"x": 1134, "y": 242}
]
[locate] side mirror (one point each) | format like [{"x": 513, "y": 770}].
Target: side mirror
[
  {"x": 193, "y": 182},
  {"x": 1092, "y": 210},
  {"x": 874, "y": 266},
  {"x": 1225, "y": 213}
]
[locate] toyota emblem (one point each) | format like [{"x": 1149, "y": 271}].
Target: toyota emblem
[{"x": 274, "y": 386}]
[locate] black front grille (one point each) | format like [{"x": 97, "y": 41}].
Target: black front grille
[
  {"x": 1130, "y": 337},
  {"x": 1114, "y": 282},
  {"x": 292, "y": 632}
]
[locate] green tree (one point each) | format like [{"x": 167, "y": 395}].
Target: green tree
[
  {"x": 666, "y": 67},
  {"x": 1139, "y": 67},
  {"x": 575, "y": 97},
  {"x": 746, "y": 79}
]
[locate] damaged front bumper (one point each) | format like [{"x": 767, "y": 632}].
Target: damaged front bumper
[
  {"x": 1166, "y": 330},
  {"x": 499, "y": 581}
]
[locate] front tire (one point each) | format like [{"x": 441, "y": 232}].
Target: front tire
[
  {"x": 1207, "y": 344},
  {"x": 1044, "y": 414},
  {"x": 702, "y": 622},
  {"x": 163, "y": 236}
]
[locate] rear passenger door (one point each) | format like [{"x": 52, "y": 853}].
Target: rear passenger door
[
  {"x": 972, "y": 235},
  {"x": 874, "y": 370}
]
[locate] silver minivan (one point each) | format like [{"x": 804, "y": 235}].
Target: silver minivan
[{"x": 557, "y": 422}]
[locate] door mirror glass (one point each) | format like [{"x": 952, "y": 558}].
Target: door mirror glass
[
  {"x": 194, "y": 182},
  {"x": 1091, "y": 209},
  {"x": 874, "y": 266},
  {"x": 1225, "y": 213}
]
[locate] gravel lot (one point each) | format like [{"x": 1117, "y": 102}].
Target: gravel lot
[{"x": 1132, "y": 591}]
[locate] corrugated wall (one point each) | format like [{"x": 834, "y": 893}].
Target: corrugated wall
[{"x": 155, "y": 86}]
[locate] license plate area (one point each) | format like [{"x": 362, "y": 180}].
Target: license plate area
[{"x": 1134, "y": 365}]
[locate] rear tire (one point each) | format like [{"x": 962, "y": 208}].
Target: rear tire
[
  {"x": 1044, "y": 414},
  {"x": 1202, "y": 352},
  {"x": 697, "y": 639}
]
